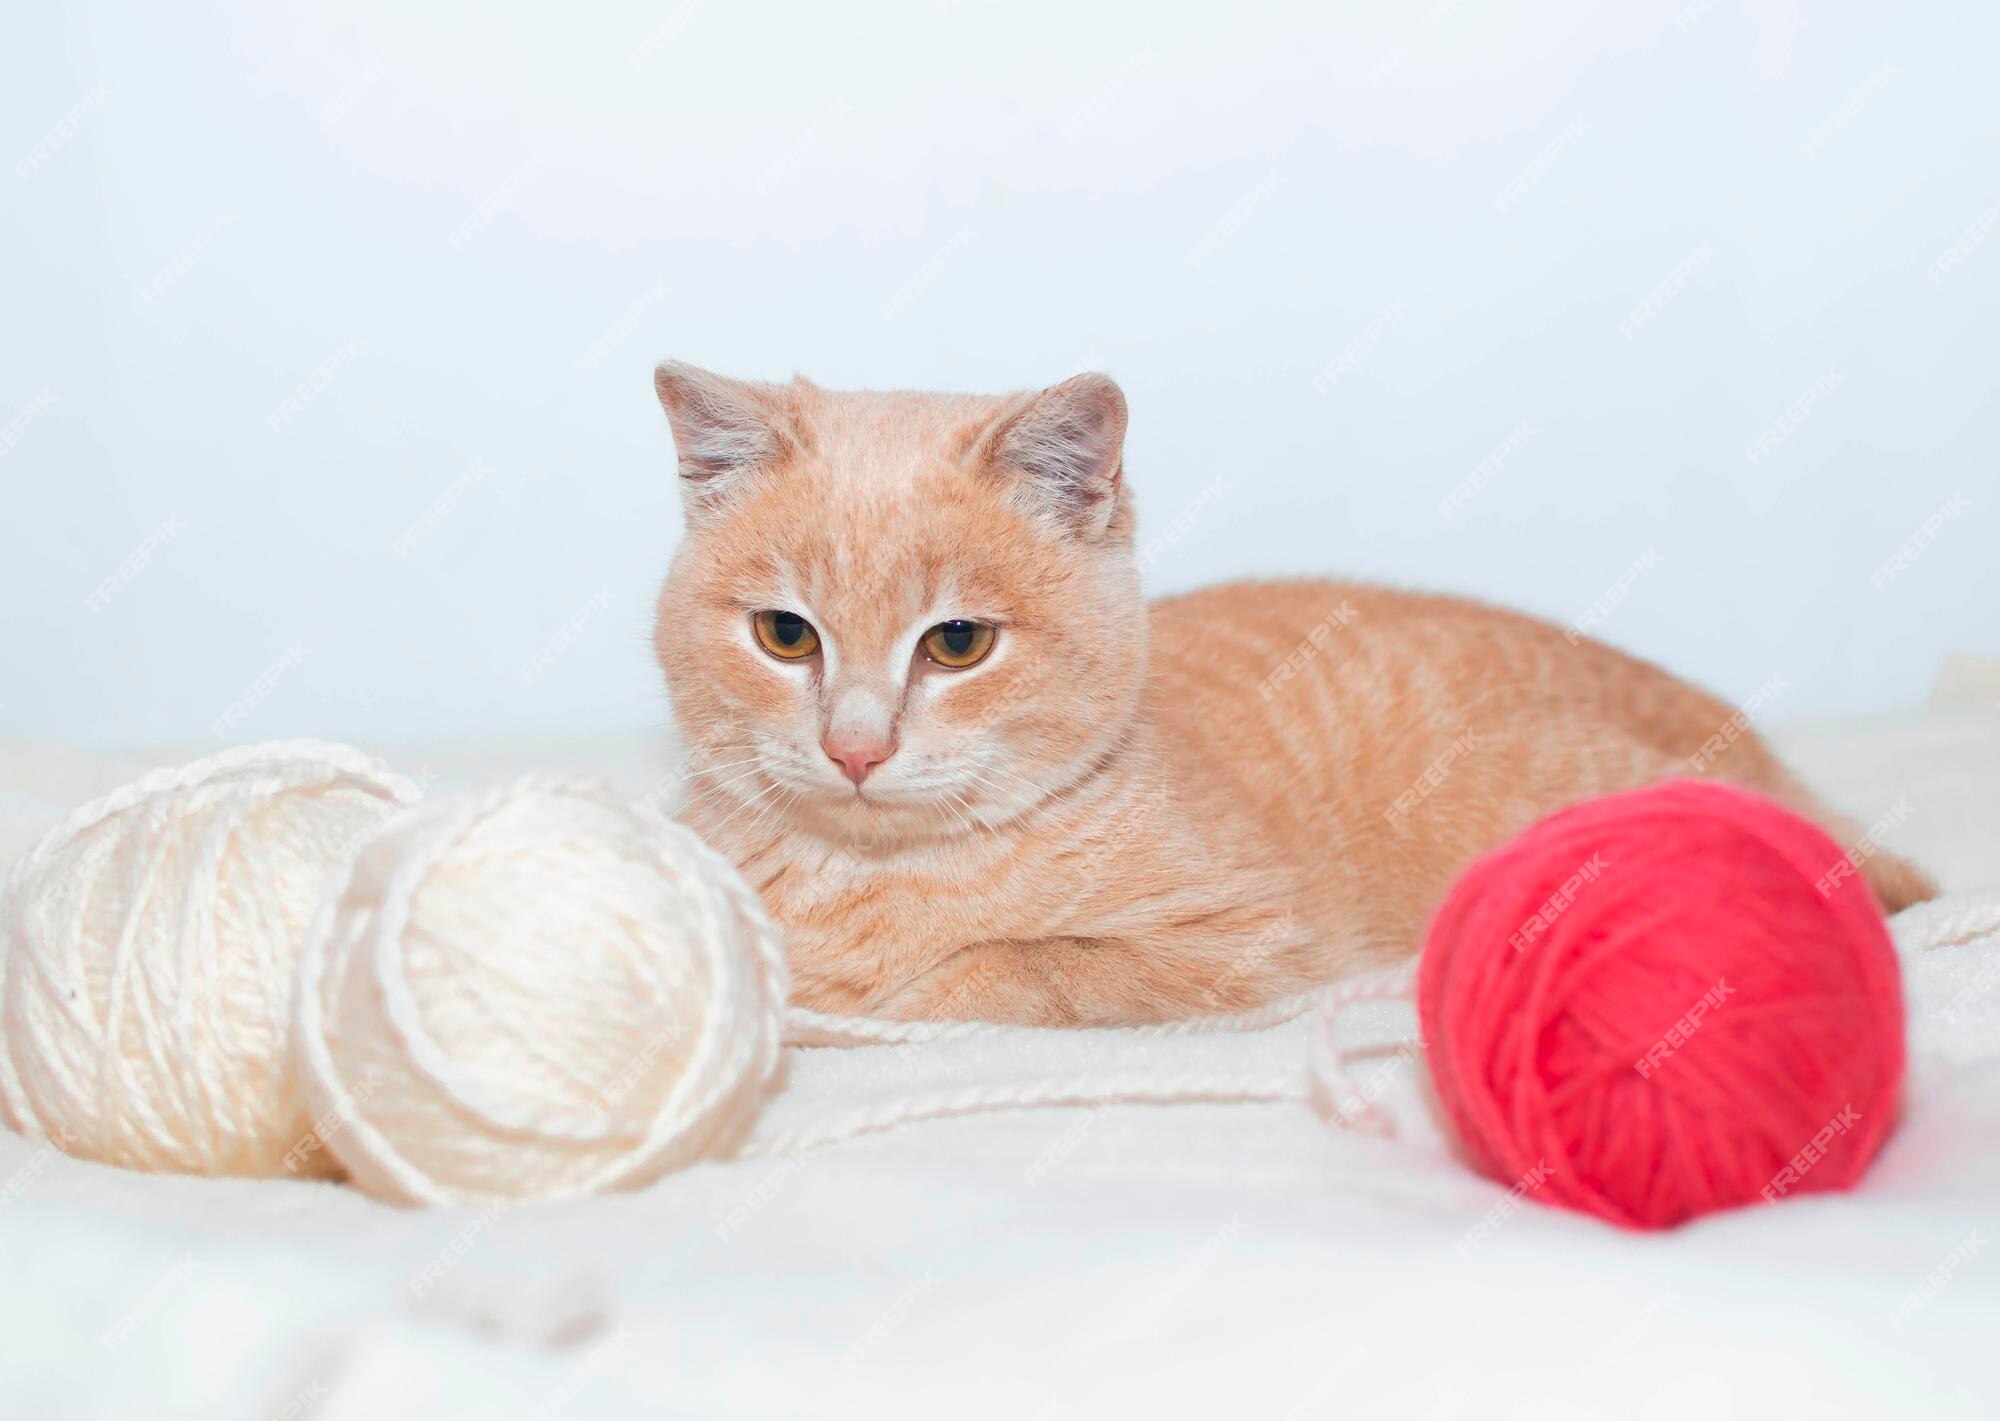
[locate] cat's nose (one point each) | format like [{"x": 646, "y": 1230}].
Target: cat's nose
[{"x": 857, "y": 755}]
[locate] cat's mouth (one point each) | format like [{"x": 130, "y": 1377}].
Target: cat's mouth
[
  {"x": 884, "y": 811},
  {"x": 872, "y": 815},
  {"x": 876, "y": 799}
]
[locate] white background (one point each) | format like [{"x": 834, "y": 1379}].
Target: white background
[{"x": 749, "y": 187}]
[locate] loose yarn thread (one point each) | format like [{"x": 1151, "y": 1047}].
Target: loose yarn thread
[{"x": 545, "y": 989}]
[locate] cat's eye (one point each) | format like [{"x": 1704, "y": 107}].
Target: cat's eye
[
  {"x": 959, "y": 644},
  {"x": 786, "y": 635}
]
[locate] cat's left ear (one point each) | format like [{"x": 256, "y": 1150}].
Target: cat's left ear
[
  {"x": 723, "y": 429},
  {"x": 1066, "y": 446}
]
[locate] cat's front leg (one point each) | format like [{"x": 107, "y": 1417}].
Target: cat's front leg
[
  {"x": 1087, "y": 981},
  {"x": 1020, "y": 982}
]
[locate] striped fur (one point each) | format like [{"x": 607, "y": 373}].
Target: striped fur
[{"x": 1127, "y": 812}]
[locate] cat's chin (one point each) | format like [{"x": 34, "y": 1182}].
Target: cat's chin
[{"x": 877, "y": 821}]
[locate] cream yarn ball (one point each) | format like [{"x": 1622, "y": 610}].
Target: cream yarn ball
[
  {"x": 540, "y": 991},
  {"x": 149, "y": 947}
]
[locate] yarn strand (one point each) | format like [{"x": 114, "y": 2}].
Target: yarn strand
[{"x": 544, "y": 989}]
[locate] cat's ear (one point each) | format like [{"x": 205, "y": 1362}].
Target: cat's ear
[
  {"x": 723, "y": 429},
  {"x": 1066, "y": 447}
]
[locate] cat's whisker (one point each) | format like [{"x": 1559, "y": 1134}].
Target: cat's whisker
[
  {"x": 1036, "y": 792},
  {"x": 766, "y": 811},
  {"x": 990, "y": 828},
  {"x": 736, "y": 779},
  {"x": 1007, "y": 793},
  {"x": 693, "y": 770},
  {"x": 749, "y": 803},
  {"x": 950, "y": 802},
  {"x": 709, "y": 791}
]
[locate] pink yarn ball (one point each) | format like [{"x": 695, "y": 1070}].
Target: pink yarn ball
[{"x": 1655, "y": 1005}]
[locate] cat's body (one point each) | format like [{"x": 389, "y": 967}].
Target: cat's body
[{"x": 1119, "y": 813}]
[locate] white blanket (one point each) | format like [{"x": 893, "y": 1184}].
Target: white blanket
[{"x": 1200, "y": 1260}]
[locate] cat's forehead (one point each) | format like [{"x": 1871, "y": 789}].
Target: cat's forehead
[
  {"x": 881, "y": 518},
  {"x": 871, "y": 511},
  {"x": 864, "y": 445},
  {"x": 882, "y": 545}
]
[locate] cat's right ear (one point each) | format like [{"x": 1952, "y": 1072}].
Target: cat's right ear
[
  {"x": 723, "y": 429},
  {"x": 1064, "y": 449}
]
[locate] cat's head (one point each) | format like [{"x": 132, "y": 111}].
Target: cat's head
[{"x": 897, "y": 616}]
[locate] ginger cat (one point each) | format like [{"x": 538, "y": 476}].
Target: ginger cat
[{"x": 976, "y": 776}]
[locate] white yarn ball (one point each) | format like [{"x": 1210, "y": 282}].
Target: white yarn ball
[
  {"x": 545, "y": 990},
  {"x": 149, "y": 948}
]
